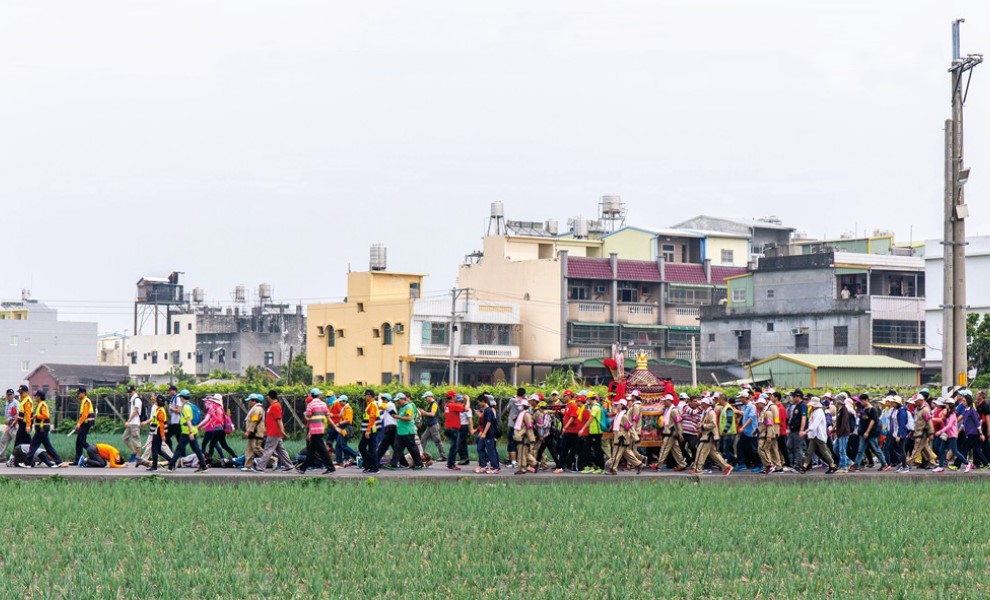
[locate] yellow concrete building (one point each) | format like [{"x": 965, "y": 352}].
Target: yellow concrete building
[{"x": 363, "y": 339}]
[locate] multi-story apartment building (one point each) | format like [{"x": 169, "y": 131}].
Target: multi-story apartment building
[
  {"x": 32, "y": 334},
  {"x": 825, "y": 303}
]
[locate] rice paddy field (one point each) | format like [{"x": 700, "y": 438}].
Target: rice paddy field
[{"x": 315, "y": 537}]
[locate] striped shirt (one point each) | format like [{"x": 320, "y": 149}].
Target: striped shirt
[
  {"x": 316, "y": 416},
  {"x": 690, "y": 420}
]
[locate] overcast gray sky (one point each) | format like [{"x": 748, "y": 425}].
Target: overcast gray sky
[{"x": 254, "y": 141}]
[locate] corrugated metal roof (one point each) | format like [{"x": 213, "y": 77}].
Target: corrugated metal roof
[
  {"x": 879, "y": 261},
  {"x": 589, "y": 268},
  {"x": 684, "y": 273},
  {"x": 638, "y": 270},
  {"x": 842, "y": 361}
]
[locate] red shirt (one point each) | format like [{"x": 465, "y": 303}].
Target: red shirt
[
  {"x": 571, "y": 414},
  {"x": 273, "y": 414},
  {"x": 335, "y": 410},
  {"x": 452, "y": 415}
]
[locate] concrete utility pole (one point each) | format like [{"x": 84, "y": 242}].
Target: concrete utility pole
[{"x": 955, "y": 363}]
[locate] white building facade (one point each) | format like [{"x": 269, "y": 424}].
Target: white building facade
[
  {"x": 977, "y": 290},
  {"x": 32, "y": 334}
]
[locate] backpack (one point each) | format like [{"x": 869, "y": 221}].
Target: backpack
[
  {"x": 496, "y": 426},
  {"x": 603, "y": 421},
  {"x": 197, "y": 415},
  {"x": 228, "y": 425}
]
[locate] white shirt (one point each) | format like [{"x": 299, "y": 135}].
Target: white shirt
[
  {"x": 135, "y": 404},
  {"x": 175, "y": 402},
  {"x": 387, "y": 418},
  {"x": 816, "y": 425}
]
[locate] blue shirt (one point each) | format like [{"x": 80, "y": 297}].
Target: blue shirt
[{"x": 749, "y": 413}]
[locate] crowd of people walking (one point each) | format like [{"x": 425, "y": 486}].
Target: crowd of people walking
[{"x": 759, "y": 430}]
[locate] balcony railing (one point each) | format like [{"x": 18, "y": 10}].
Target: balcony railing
[
  {"x": 587, "y": 311},
  {"x": 638, "y": 314}
]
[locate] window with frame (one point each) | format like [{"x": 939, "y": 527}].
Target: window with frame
[
  {"x": 360, "y": 351},
  {"x": 269, "y": 359},
  {"x": 668, "y": 252},
  {"x": 801, "y": 342},
  {"x": 711, "y": 337},
  {"x": 728, "y": 257},
  {"x": 154, "y": 357},
  {"x": 739, "y": 295},
  {"x": 386, "y": 378},
  {"x": 840, "y": 336},
  {"x": 435, "y": 333},
  {"x": 770, "y": 294},
  {"x": 360, "y": 306},
  {"x": 688, "y": 296},
  {"x": 629, "y": 291},
  {"x": 222, "y": 356},
  {"x": 331, "y": 336},
  {"x": 176, "y": 327},
  {"x": 769, "y": 325},
  {"x": 133, "y": 358},
  {"x": 578, "y": 289},
  {"x": 591, "y": 334},
  {"x": 386, "y": 334},
  {"x": 682, "y": 339},
  {"x": 488, "y": 334}
]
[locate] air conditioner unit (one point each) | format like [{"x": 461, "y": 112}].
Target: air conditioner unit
[
  {"x": 399, "y": 328},
  {"x": 600, "y": 289},
  {"x": 740, "y": 333},
  {"x": 799, "y": 330}
]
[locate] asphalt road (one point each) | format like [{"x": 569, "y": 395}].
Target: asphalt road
[{"x": 440, "y": 473}]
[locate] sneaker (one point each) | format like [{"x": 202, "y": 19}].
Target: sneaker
[
  {"x": 513, "y": 464},
  {"x": 493, "y": 471},
  {"x": 707, "y": 472},
  {"x": 886, "y": 468},
  {"x": 257, "y": 470},
  {"x": 727, "y": 470},
  {"x": 756, "y": 470},
  {"x": 464, "y": 462},
  {"x": 286, "y": 469},
  {"x": 599, "y": 471},
  {"x": 854, "y": 468},
  {"x": 587, "y": 470},
  {"x": 969, "y": 467},
  {"x": 786, "y": 470},
  {"x": 694, "y": 472},
  {"x": 938, "y": 470},
  {"x": 453, "y": 468},
  {"x": 152, "y": 470},
  {"x": 985, "y": 468},
  {"x": 418, "y": 468},
  {"x": 389, "y": 467},
  {"x": 953, "y": 468},
  {"x": 200, "y": 470},
  {"x": 831, "y": 470}
]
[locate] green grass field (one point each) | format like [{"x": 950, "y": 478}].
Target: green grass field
[{"x": 319, "y": 538}]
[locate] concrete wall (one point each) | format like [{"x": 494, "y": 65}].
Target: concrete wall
[
  {"x": 764, "y": 343},
  {"x": 534, "y": 285},
  {"x": 41, "y": 338},
  {"x": 388, "y": 302},
  {"x": 631, "y": 244},
  {"x": 739, "y": 248}
]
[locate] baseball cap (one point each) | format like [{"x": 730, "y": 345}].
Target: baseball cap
[
  {"x": 172, "y": 387},
  {"x": 315, "y": 392},
  {"x": 555, "y": 393},
  {"x": 131, "y": 388},
  {"x": 635, "y": 393},
  {"x": 386, "y": 396},
  {"x": 428, "y": 394},
  {"x": 343, "y": 398},
  {"x": 369, "y": 392},
  {"x": 682, "y": 396},
  {"x": 185, "y": 394},
  {"x": 399, "y": 396},
  {"x": 9, "y": 391},
  {"x": 451, "y": 393},
  {"x": 797, "y": 393},
  {"x": 254, "y": 398},
  {"x": 22, "y": 388}
]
